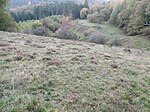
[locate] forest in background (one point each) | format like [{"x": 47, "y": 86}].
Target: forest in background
[
  {"x": 48, "y": 9},
  {"x": 132, "y": 16},
  {"x": 18, "y": 3}
]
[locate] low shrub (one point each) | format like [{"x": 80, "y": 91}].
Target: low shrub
[
  {"x": 50, "y": 24},
  {"x": 65, "y": 32},
  {"x": 54, "y": 26},
  {"x": 46, "y": 22},
  {"x": 116, "y": 42},
  {"x": 40, "y": 31},
  {"x": 79, "y": 36},
  {"x": 55, "y": 18},
  {"x": 89, "y": 31},
  {"x": 36, "y": 24},
  {"x": 146, "y": 31},
  {"x": 98, "y": 38}
]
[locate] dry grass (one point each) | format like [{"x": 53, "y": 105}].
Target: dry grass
[{"x": 44, "y": 74}]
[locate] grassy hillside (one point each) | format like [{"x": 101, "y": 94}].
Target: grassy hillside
[
  {"x": 82, "y": 30},
  {"x": 43, "y": 74},
  {"x": 113, "y": 32}
]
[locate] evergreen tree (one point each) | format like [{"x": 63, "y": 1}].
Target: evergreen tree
[
  {"x": 6, "y": 22},
  {"x": 86, "y": 5},
  {"x": 68, "y": 8}
]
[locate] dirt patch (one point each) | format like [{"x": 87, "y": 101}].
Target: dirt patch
[{"x": 54, "y": 62}]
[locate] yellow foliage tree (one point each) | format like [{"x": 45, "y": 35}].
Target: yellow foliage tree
[{"x": 84, "y": 13}]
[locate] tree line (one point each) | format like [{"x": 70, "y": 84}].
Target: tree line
[
  {"x": 68, "y": 8},
  {"x": 19, "y": 3},
  {"x": 132, "y": 16}
]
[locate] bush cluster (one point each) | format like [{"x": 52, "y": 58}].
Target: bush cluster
[
  {"x": 97, "y": 38},
  {"x": 65, "y": 32},
  {"x": 43, "y": 27},
  {"x": 116, "y": 42}
]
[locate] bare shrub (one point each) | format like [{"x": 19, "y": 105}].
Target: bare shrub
[
  {"x": 97, "y": 38},
  {"x": 116, "y": 42},
  {"x": 65, "y": 32},
  {"x": 40, "y": 31}
]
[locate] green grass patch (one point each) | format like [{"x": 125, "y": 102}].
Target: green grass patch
[{"x": 113, "y": 32}]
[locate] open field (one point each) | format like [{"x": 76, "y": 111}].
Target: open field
[
  {"x": 45, "y": 74},
  {"x": 83, "y": 29},
  {"x": 113, "y": 32}
]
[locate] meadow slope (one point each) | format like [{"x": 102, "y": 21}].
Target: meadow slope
[{"x": 45, "y": 74}]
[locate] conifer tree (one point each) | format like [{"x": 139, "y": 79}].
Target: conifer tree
[
  {"x": 6, "y": 21},
  {"x": 86, "y": 5}
]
